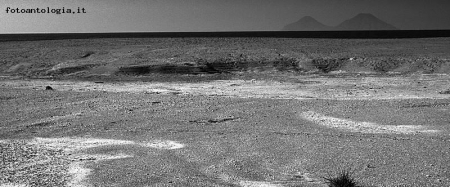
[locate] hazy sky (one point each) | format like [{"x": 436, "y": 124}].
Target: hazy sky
[{"x": 214, "y": 15}]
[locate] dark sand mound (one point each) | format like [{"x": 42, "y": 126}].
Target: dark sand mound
[
  {"x": 220, "y": 69},
  {"x": 212, "y": 67}
]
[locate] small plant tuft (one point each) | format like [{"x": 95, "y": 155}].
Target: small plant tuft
[{"x": 344, "y": 179}]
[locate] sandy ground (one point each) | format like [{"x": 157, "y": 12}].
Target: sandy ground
[
  {"x": 310, "y": 87},
  {"x": 390, "y": 131},
  {"x": 270, "y": 112}
]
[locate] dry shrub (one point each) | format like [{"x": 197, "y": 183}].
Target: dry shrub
[{"x": 344, "y": 179}]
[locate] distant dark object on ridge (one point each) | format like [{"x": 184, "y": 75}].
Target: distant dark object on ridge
[
  {"x": 48, "y": 88},
  {"x": 362, "y": 21}
]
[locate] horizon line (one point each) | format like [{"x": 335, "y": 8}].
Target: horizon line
[{"x": 245, "y": 31}]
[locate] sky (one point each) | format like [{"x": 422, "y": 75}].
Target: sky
[{"x": 212, "y": 15}]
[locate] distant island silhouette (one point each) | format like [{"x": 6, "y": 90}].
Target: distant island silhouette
[{"x": 362, "y": 21}]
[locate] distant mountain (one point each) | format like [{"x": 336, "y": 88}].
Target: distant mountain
[
  {"x": 307, "y": 23},
  {"x": 363, "y": 21}
]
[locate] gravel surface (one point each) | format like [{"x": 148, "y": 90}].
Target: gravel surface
[
  {"x": 226, "y": 141},
  {"x": 32, "y": 165}
]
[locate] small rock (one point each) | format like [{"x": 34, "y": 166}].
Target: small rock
[
  {"x": 370, "y": 166},
  {"x": 48, "y": 88}
]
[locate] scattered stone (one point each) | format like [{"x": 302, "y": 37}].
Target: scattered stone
[
  {"x": 220, "y": 120},
  {"x": 87, "y": 54}
]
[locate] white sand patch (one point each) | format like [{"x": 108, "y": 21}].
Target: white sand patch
[
  {"x": 80, "y": 173},
  {"x": 78, "y": 159},
  {"x": 258, "y": 184},
  {"x": 75, "y": 144},
  {"x": 163, "y": 144},
  {"x": 70, "y": 145},
  {"x": 364, "y": 127}
]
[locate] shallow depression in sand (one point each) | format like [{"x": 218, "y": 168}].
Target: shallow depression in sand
[{"x": 363, "y": 127}]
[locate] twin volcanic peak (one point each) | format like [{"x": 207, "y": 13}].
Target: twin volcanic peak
[
  {"x": 362, "y": 21},
  {"x": 307, "y": 23}
]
